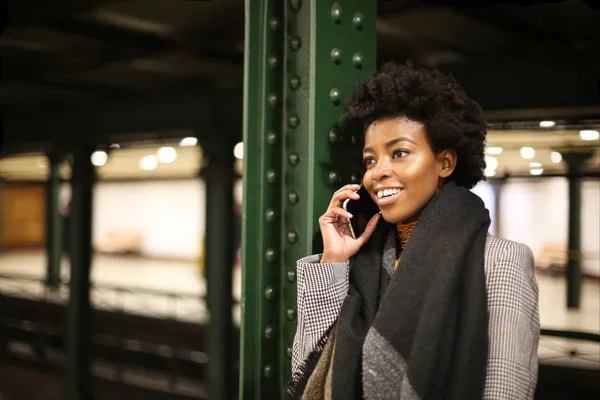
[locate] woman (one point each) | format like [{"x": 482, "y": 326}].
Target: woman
[{"x": 425, "y": 304}]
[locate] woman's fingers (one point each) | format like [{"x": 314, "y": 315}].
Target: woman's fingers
[
  {"x": 343, "y": 193},
  {"x": 336, "y": 212},
  {"x": 369, "y": 229}
]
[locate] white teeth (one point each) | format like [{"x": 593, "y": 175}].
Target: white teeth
[{"x": 387, "y": 192}]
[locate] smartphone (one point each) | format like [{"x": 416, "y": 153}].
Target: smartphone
[{"x": 362, "y": 210}]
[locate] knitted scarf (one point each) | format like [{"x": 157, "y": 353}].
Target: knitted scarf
[{"x": 420, "y": 332}]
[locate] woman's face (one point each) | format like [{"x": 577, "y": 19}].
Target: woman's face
[{"x": 402, "y": 171}]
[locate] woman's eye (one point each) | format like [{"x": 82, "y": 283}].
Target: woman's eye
[
  {"x": 368, "y": 161},
  {"x": 400, "y": 153}
]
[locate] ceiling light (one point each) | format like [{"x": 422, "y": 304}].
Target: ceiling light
[
  {"x": 588, "y": 134},
  {"x": 238, "y": 150},
  {"x": 490, "y": 172},
  {"x": 99, "y": 158},
  {"x": 188, "y": 142},
  {"x": 491, "y": 162},
  {"x": 536, "y": 171},
  {"x": 114, "y": 146},
  {"x": 494, "y": 150},
  {"x": 535, "y": 165},
  {"x": 527, "y": 153},
  {"x": 556, "y": 157},
  {"x": 547, "y": 124},
  {"x": 149, "y": 162},
  {"x": 166, "y": 155}
]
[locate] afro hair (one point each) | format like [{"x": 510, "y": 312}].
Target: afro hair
[{"x": 451, "y": 120}]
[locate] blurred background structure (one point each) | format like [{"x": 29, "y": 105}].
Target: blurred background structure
[{"x": 131, "y": 126}]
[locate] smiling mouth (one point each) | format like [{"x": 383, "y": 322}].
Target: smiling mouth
[
  {"x": 382, "y": 194},
  {"x": 387, "y": 196}
]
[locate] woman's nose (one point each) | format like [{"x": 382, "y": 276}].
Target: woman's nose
[{"x": 382, "y": 170}]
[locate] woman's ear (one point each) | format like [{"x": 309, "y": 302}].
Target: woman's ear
[{"x": 447, "y": 161}]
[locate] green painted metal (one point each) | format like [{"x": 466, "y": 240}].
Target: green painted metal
[
  {"x": 54, "y": 222},
  {"x": 303, "y": 58},
  {"x": 575, "y": 161},
  {"x": 263, "y": 93},
  {"x": 77, "y": 380}
]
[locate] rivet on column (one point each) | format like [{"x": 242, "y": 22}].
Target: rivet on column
[
  {"x": 293, "y": 197},
  {"x": 268, "y": 371},
  {"x": 295, "y": 43},
  {"x": 336, "y": 13},
  {"x": 271, "y": 138},
  {"x": 270, "y": 255},
  {"x": 273, "y": 100},
  {"x": 269, "y": 293},
  {"x": 293, "y": 121},
  {"x": 292, "y": 237},
  {"x": 358, "y": 21},
  {"x": 335, "y": 96},
  {"x": 336, "y": 56},
  {"x": 294, "y": 159},
  {"x": 271, "y": 176},
  {"x": 334, "y": 136},
  {"x": 274, "y": 23},
  {"x": 291, "y": 276},
  {"x": 295, "y": 82},
  {"x": 357, "y": 60},
  {"x": 270, "y": 215}
]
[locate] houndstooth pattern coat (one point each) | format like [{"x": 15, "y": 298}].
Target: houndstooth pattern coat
[{"x": 514, "y": 328}]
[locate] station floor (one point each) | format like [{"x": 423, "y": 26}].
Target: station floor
[{"x": 175, "y": 289}]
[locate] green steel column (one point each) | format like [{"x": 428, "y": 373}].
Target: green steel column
[
  {"x": 78, "y": 385},
  {"x": 219, "y": 176},
  {"x": 574, "y": 162},
  {"x": 54, "y": 241},
  {"x": 302, "y": 61},
  {"x": 263, "y": 96}
]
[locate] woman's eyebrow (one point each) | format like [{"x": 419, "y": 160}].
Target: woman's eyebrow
[{"x": 391, "y": 143}]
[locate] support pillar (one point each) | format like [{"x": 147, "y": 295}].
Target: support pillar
[
  {"x": 302, "y": 60},
  {"x": 219, "y": 177},
  {"x": 575, "y": 161},
  {"x": 78, "y": 385},
  {"x": 54, "y": 222}
]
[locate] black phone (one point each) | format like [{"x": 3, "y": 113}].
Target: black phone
[{"x": 362, "y": 210}]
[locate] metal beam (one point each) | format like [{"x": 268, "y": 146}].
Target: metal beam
[
  {"x": 133, "y": 119},
  {"x": 528, "y": 84}
]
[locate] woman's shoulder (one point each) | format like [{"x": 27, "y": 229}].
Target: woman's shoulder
[{"x": 508, "y": 255}]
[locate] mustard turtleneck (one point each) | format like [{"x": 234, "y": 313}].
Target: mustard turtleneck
[{"x": 404, "y": 231}]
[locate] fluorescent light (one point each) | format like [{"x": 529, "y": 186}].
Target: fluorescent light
[
  {"x": 489, "y": 172},
  {"x": 527, "y": 153},
  {"x": 149, "y": 162},
  {"x": 536, "y": 171},
  {"x": 535, "y": 165},
  {"x": 115, "y": 146},
  {"x": 589, "y": 134},
  {"x": 491, "y": 162},
  {"x": 494, "y": 150},
  {"x": 99, "y": 158},
  {"x": 238, "y": 150},
  {"x": 547, "y": 124},
  {"x": 556, "y": 157},
  {"x": 188, "y": 142},
  {"x": 166, "y": 155}
]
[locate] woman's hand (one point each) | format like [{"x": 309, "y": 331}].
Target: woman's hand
[{"x": 338, "y": 243}]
